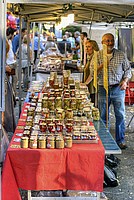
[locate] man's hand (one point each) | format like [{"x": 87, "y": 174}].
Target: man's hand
[{"x": 123, "y": 85}]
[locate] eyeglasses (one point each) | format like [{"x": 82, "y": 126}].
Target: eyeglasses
[{"x": 108, "y": 41}]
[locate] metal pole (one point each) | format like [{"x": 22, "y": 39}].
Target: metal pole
[
  {"x": 20, "y": 65},
  {"x": 2, "y": 66},
  {"x": 28, "y": 47},
  {"x": 31, "y": 72}
]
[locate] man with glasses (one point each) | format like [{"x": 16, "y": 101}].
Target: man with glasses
[{"x": 119, "y": 72}]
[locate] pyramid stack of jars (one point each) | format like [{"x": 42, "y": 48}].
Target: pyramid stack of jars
[{"x": 59, "y": 115}]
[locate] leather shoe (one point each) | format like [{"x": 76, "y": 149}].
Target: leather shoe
[{"x": 122, "y": 146}]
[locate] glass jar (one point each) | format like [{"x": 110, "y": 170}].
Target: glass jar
[
  {"x": 43, "y": 127},
  {"x": 33, "y": 143},
  {"x": 58, "y": 102},
  {"x": 45, "y": 102},
  {"x": 66, "y": 103},
  {"x": 51, "y": 103},
  {"x": 69, "y": 128},
  {"x": 59, "y": 127},
  {"x": 76, "y": 135},
  {"x": 24, "y": 142},
  {"x": 69, "y": 114},
  {"x": 96, "y": 114},
  {"x": 42, "y": 142},
  {"x": 59, "y": 142},
  {"x": 51, "y": 128},
  {"x": 68, "y": 142},
  {"x": 84, "y": 136},
  {"x": 51, "y": 142}
]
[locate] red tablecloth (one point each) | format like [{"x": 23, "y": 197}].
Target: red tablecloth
[{"x": 78, "y": 168}]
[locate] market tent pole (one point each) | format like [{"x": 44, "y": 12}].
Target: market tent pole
[
  {"x": 20, "y": 63},
  {"x": 40, "y": 27},
  {"x": 28, "y": 47},
  {"x": 2, "y": 65},
  {"x": 31, "y": 72}
]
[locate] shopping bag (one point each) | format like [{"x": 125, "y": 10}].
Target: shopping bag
[{"x": 110, "y": 179}]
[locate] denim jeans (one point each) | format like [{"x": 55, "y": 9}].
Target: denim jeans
[{"x": 117, "y": 98}]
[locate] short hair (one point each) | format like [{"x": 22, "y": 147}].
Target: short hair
[
  {"x": 84, "y": 33},
  {"x": 106, "y": 35},
  {"x": 94, "y": 44},
  {"x": 50, "y": 38},
  {"x": 77, "y": 33},
  {"x": 70, "y": 34},
  {"x": 36, "y": 33},
  {"x": 10, "y": 30},
  {"x": 64, "y": 37},
  {"x": 23, "y": 30}
]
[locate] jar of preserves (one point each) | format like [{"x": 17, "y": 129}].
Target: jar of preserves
[
  {"x": 49, "y": 121},
  {"x": 78, "y": 103},
  {"x": 66, "y": 103},
  {"x": 76, "y": 135},
  {"x": 65, "y": 80},
  {"x": 33, "y": 143},
  {"x": 69, "y": 128},
  {"x": 73, "y": 106},
  {"x": 29, "y": 122},
  {"x": 28, "y": 128},
  {"x": 59, "y": 142},
  {"x": 51, "y": 142},
  {"x": 42, "y": 142},
  {"x": 45, "y": 102},
  {"x": 24, "y": 142},
  {"x": 59, "y": 127},
  {"x": 77, "y": 84},
  {"x": 84, "y": 136},
  {"x": 51, "y": 128},
  {"x": 30, "y": 111},
  {"x": 51, "y": 103},
  {"x": 51, "y": 81},
  {"x": 43, "y": 127},
  {"x": 72, "y": 93},
  {"x": 68, "y": 141},
  {"x": 26, "y": 134},
  {"x": 56, "y": 86},
  {"x": 69, "y": 113},
  {"x": 58, "y": 102},
  {"x": 96, "y": 114},
  {"x": 45, "y": 112},
  {"x": 69, "y": 121}
]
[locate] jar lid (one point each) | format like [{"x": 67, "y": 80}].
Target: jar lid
[
  {"x": 24, "y": 138},
  {"x": 59, "y": 138},
  {"x": 51, "y": 138}
]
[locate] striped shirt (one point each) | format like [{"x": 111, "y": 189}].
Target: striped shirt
[{"x": 118, "y": 68}]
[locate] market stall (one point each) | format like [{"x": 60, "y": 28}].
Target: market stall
[{"x": 54, "y": 166}]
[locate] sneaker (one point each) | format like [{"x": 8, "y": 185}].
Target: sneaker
[{"x": 122, "y": 146}]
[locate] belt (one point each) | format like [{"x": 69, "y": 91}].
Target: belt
[{"x": 110, "y": 86}]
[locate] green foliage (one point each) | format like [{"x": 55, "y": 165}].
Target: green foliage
[{"x": 71, "y": 29}]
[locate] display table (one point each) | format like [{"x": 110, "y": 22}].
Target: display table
[{"x": 78, "y": 168}]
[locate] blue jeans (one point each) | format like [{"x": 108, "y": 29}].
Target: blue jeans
[{"x": 117, "y": 98}]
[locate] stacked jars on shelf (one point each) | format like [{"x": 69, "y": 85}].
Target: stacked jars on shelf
[{"x": 62, "y": 113}]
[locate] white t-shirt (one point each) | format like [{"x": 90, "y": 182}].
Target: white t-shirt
[{"x": 10, "y": 56}]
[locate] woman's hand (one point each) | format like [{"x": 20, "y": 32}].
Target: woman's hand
[{"x": 8, "y": 69}]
